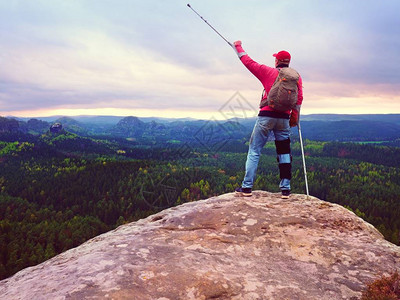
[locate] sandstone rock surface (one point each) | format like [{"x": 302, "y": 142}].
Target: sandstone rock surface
[{"x": 225, "y": 247}]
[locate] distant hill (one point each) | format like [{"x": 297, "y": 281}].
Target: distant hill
[
  {"x": 34, "y": 126},
  {"x": 129, "y": 127},
  {"x": 8, "y": 125}
]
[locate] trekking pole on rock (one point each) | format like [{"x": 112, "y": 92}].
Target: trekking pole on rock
[
  {"x": 304, "y": 160},
  {"x": 210, "y": 25}
]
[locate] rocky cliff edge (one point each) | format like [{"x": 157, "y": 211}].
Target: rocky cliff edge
[{"x": 225, "y": 247}]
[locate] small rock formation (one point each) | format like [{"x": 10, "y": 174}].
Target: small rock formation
[
  {"x": 225, "y": 247},
  {"x": 56, "y": 128}
]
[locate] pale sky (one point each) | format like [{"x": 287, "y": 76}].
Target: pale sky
[{"x": 158, "y": 58}]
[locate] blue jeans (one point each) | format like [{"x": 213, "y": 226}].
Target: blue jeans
[{"x": 262, "y": 129}]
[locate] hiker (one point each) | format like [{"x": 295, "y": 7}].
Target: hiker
[{"x": 271, "y": 119}]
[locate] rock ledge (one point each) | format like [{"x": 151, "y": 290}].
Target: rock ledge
[{"x": 225, "y": 247}]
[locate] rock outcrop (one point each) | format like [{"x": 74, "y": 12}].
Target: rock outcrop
[
  {"x": 56, "y": 128},
  {"x": 225, "y": 247}
]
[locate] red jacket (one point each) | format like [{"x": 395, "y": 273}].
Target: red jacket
[{"x": 267, "y": 76}]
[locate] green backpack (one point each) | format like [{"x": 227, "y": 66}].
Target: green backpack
[{"x": 283, "y": 94}]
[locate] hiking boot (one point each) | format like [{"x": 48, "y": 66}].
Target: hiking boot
[
  {"x": 285, "y": 194},
  {"x": 245, "y": 192}
]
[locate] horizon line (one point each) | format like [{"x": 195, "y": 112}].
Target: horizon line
[{"x": 188, "y": 117}]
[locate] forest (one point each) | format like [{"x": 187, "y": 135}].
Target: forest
[{"x": 59, "y": 189}]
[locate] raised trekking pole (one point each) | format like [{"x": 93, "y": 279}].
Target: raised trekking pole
[
  {"x": 210, "y": 25},
  {"x": 304, "y": 160}
]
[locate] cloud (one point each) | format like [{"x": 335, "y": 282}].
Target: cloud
[
  {"x": 159, "y": 55},
  {"x": 96, "y": 70}
]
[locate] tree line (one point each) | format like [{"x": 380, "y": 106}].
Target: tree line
[{"x": 58, "y": 194}]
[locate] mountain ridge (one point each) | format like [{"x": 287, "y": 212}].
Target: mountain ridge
[
  {"x": 306, "y": 117},
  {"x": 342, "y": 128}
]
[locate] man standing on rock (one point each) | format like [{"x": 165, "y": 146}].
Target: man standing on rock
[{"x": 271, "y": 119}]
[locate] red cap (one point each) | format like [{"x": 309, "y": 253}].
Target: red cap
[{"x": 282, "y": 55}]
